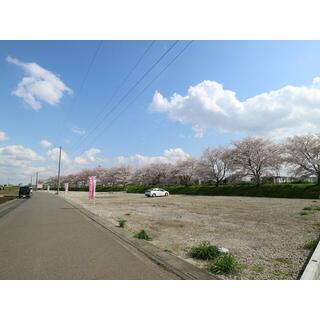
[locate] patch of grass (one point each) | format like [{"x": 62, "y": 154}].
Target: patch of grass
[
  {"x": 283, "y": 260},
  {"x": 127, "y": 214},
  {"x": 311, "y": 244},
  {"x": 121, "y": 223},
  {"x": 142, "y": 235},
  {"x": 304, "y": 213},
  {"x": 167, "y": 250},
  {"x": 281, "y": 274},
  {"x": 317, "y": 225},
  {"x": 258, "y": 268},
  {"x": 204, "y": 251},
  {"x": 311, "y": 208},
  {"x": 225, "y": 264}
]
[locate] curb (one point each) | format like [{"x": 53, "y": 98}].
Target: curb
[
  {"x": 169, "y": 262},
  {"x": 312, "y": 270}
]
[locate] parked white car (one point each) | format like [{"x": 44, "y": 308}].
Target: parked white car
[{"x": 156, "y": 192}]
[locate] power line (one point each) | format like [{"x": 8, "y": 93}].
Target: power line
[
  {"x": 129, "y": 91},
  {"x": 84, "y": 79},
  {"x": 145, "y": 88},
  {"x": 106, "y": 105}
]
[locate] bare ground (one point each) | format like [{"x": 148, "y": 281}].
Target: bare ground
[{"x": 266, "y": 235}]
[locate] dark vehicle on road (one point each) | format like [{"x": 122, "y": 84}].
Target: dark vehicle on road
[{"x": 24, "y": 192}]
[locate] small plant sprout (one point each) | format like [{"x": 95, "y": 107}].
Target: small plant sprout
[
  {"x": 311, "y": 245},
  {"x": 121, "y": 223},
  {"x": 142, "y": 235}
]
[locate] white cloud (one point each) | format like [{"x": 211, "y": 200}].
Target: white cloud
[
  {"x": 88, "y": 156},
  {"x": 19, "y": 152},
  {"x": 53, "y": 155},
  {"x": 18, "y": 163},
  {"x": 168, "y": 156},
  {"x": 78, "y": 131},
  {"x": 207, "y": 105},
  {"x": 39, "y": 85},
  {"x": 3, "y": 136},
  {"x": 45, "y": 143}
]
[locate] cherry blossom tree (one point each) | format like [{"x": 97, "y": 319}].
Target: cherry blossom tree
[
  {"x": 256, "y": 156},
  {"x": 302, "y": 153},
  {"x": 215, "y": 164}
]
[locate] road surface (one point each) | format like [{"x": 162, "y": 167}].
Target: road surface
[{"x": 46, "y": 238}]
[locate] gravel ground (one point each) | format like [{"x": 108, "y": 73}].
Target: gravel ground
[{"x": 266, "y": 235}]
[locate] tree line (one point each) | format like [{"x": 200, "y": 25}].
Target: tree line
[{"x": 252, "y": 157}]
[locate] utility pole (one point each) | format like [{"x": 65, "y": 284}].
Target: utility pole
[
  {"x": 31, "y": 181},
  {"x": 58, "y": 187},
  {"x": 36, "y": 180}
]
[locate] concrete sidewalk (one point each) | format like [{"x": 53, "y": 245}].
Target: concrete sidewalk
[{"x": 46, "y": 238}]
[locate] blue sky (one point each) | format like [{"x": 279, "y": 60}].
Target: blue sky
[{"x": 239, "y": 88}]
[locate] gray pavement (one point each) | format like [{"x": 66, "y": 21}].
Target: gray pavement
[{"x": 46, "y": 238}]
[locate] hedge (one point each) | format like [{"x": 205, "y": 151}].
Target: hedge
[{"x": 284, "y": 190}]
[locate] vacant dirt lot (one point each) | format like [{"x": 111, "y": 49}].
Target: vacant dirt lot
[
  {"x": 8, "y": 194},
  {"x": 266, "y": 235}
]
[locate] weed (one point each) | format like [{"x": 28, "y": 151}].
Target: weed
[
  {"x": 281, "y": 274},
  {"x": 142, "y": 235},
  {"x": 167, "y": 250},
  {"x": 127, "y": 214},
  {"x": 304, "y": 213},
  {"x": 311, "y": 245},
  {"x": 121, "y": 223},
  {"x": 258, "y": 268},
  {"x": 204, "y": 251},
  {"x": 312, "y": 208},
  {"x": 283, "y": 260},
  {"x": 317, "y": 225},
  {"x": 225, "y": 264}
]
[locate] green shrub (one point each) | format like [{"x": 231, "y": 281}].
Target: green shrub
[
  {"x": 204, "y": 251},
  {"x": 121, "y": 223},
  {"x": 311, "y": 244},
  {"x": 142, "y": 235},
  {"x": 225, "y": 264}
]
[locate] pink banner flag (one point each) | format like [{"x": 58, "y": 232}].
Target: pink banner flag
[{"x": 90, "y": 188}]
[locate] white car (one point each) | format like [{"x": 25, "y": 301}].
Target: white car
[{"x": 156, "y": 192}]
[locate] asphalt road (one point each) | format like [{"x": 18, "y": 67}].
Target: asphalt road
[{"x": 46, "y": 238}]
